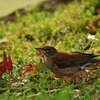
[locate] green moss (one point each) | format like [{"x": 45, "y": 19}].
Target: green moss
[{"x": 65, "y": 29}]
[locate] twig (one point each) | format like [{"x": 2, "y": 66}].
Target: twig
[{"x": 51, "y": 91}]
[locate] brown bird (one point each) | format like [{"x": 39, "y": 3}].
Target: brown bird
[{"x": 65, "y": 63}]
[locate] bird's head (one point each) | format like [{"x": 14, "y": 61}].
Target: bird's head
[{"x": 48, "y": 51}]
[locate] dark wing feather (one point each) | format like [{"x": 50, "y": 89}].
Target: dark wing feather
[
  {"x": 92, "y": 55},
  {"x": 80, "y": 61}
]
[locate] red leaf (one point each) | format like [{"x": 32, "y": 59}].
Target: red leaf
[
  {"x": 10, "y": 63},
  {"x": 4, "y": 63},
  {"x": 27, "y": 69}
]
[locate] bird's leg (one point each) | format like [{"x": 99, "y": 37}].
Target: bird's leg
[
  {"x": 84, "y": 67},
  {"x": 86, "y": 75}
]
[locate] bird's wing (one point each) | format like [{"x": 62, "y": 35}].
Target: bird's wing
[
  {"x": 79, "y": 61},
  {"x": 92, "y": 55}
]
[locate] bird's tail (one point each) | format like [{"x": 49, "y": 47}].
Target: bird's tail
[{"x": 95, "y": 60}]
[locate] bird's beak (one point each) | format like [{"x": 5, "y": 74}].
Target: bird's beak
[{"x": 39, "y": 49}]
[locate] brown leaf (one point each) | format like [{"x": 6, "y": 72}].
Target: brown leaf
[{"x": 96, "y": 22}]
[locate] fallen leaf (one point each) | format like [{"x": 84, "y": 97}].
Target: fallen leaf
[
  {"x": 96, "y": 22},
  {"x": 27, "y": 69},
  {"x": 5, "y": 65}
]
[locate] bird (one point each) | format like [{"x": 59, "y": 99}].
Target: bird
[{"x": 67, "y": 63}]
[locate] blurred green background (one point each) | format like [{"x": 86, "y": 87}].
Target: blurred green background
[{"x": 8, "y": 6}]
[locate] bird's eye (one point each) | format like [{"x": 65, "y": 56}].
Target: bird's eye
[{"x": 47, "y": 50}]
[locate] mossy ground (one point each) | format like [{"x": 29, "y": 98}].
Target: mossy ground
[{"x": 67, "y": 28}]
